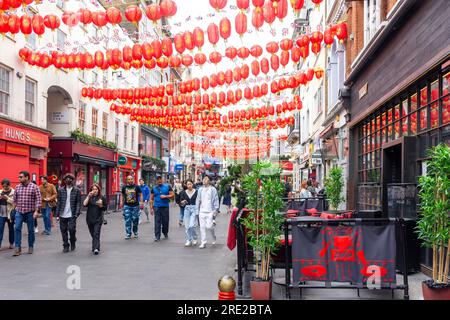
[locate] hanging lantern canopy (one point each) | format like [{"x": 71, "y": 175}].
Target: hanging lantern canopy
[
  {"x": 133, "y": 14},
  {"x": 153, "y": 12},
  {"x": 341, "y": 31},
  {"x": 225, "y": 28},
  {"x": 168, "y": 8},
  {"x": 99, "y": 19},
  {"x": 257, "y": 18},
  {"x": 52, "y": 22},
  {"x": 213, "y": 33},
  {"x": 240, "y": 23},
  {"x": 218, "y": 4},
  {"x": 113, "y": 15},
  {"x": 199, "y": 37}
]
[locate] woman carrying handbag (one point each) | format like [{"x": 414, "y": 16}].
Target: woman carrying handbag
[{"x": 96, "y": 206}]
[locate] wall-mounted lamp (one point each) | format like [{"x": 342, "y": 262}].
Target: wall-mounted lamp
[{"x": 19, "y": 75}]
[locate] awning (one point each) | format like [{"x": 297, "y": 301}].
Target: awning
[
  {"x": 328, "y": 131},
  {"x": 102, "y": 162}
]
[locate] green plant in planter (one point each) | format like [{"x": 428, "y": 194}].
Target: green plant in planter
[
  {"x": 264, "y": 193},
  {"x": 433, "y": 226},
  {"x": 334, "y": 184}
]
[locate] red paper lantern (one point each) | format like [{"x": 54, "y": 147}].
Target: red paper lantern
[
  {"x": 153, "y": 12},
  {"x": 272, "y": 47},
  {"x": 4, "y": 23},
  {"x": 166, "y": 47},
  {"x": 269, "y": 12},
  {"x": 243, "y": 4},
  {"x": 310, "y": 74},
  {"x": 274, "y": 62},
  {"x": 99, "y": 19},
  {"x": 52, "y": 22},
  {"x": 189, "y": 40},
  {"x": 133, "y": 14},
  {"x": 264, "y": 66},
  {"x": 70, "y": 18},
  {"x": 318, "y": 72},
  {"x": 157, "y": 48},
  {"x": 231, "y": 53},
  {"x": 316, "y": 37},
  {"x": 225, "y": 28},
  {"x": 257, "y": 18},
  {"x": 240, "y": 23},
  {"x": 282, "y": 9},
  {"x": 137, "y": 51},
  {"x": 243, "y": 53},
  {"x": 127, "y": 54},
  {"x": 218, "y": 4},
  {"x": 286, "y": 44},
  {"x": 38, "y": 25},
  {"x": 187, "y": 60},
  {"x": 147, "y": 51},
  {"x": 162, "y": 62},
  {"x": 199, "y": 38},
  {"x": 284, "y": 60},
  {"x": 295, "y": 54},
  {"x": 200, "y": 58},
  {"x": 316, "y": 2},
  {"x": 113, "y": 15},
  {"x": 297, "y": 5},
  {"x": 179, "y": 44},
  {"x": 315, "y": 47},
  {"x": 245, "y": 71},
  {"x": 341, "y": 31},
  {"x": 255, "y": 68},
  {"x": 215, "y": 57},
  {"x": 85, "y": 16},
  {"x": 303, "y": 41},
  {"x": 168, "y": 8},
  {"x": 99, "y": 59},
  {"x": 213, "y": 33},
  {"x": 328, "y": 38},
  {"x": 25, "y": 25},
  {"x": 256, "y": 51},
  {"x": 174, "y": 61}
]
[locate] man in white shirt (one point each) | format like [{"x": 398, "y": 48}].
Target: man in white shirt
[{"x": 208, "y": 206}]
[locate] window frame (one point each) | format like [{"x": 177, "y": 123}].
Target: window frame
[
  {"x": 28, "y": 103},
  {"x": 82, "y": 116},
  {"x": 7, "y": 94},
  {"x": 94, "y": 122}
]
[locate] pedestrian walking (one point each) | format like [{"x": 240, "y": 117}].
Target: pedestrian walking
[
  {"x": 188, "y": 199},
  {"x": 311, "y": 189},
  {"x": 49, "y": 194},
  {"x": 131, "y": 197},
  {"x": 159, "y": 199},
  {"x": 208, "y": 206},
  {"x": 178, "y": 188},
  {"x": 145, "y": 197},
  {"x": 68, "y": 210},
  {"x": 304, "y": 192},
  {"x": 96, "y": 206},
  {"x": 227, "y": 199},
  {"x": 7, "y": 212},
  {"x": 27, "y": 201}
]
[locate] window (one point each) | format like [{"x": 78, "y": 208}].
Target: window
[
  {"x": 60, "y": 40},
  {"x": 132, "y": 137},
  {"x": 116, "y": 132},
  {"x": 94, "y": 122},
  {"x": 104, "y": 126},
  {"x": 5, "y": 85},
  {"x": 94, "y": 78},
  {"x": 82, "y": 73},
  {"x": 82, "y": 116},
  {"x": 371, "y": 18},
  {"x": 125, "y": 135},
  {"x": 30, "y": 99},
  {"x": 318, "y": 100},
  {"x": 31, "y": 38},
  {"x": 61, "y": 4}
]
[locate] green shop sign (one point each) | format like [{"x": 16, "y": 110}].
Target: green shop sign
[{"x": 122, "y": 160}]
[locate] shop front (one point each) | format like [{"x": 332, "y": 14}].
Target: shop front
[
  {"x": 22, "y": 148},
  {"x": 88, "y": 163},
  {"x": 126, "y": 166}
]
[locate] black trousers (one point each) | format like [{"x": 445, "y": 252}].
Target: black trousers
[
  {"x": 161, "y": 221},
  {"x": 94, "y": 230},
  {"x": 68, "y": 227}
]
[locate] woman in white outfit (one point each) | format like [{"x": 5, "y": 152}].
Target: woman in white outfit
[
  {"x": 208, "y": 206},
  {"x": 188, "y": 199}
]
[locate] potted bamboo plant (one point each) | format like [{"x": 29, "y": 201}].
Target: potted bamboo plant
[
  {"x": 264, "y": 199},
  {"x": 433, "y": 226},
  {"x": 334, "y": 185}
]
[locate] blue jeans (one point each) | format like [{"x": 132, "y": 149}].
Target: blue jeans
[
  {"x": 46, "y": 216},
  {"x": 4, "y": 220},
  {"x": 181, "y": 215},
  {"x": 190, "y": 221},
  {"x": 28, "y": 218},
  {"x": 131, "y": 215}
]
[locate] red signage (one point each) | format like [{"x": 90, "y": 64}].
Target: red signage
[
  {"x": 19, "y": 134},
  {"x": 19, "y": 149},
  {"x": 286, "y": 165},
  {"x": 93, "y": 151}
]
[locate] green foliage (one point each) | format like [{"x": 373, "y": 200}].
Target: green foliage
[
  {"x": 235, "y": 174},
  {"x": 159, "y": 163},
  {"x": 85, "y": 138},
  {"x": 264, "y": 193},
  {"x": 433, "y": 226},
  {"x": 334, "y": 184}
]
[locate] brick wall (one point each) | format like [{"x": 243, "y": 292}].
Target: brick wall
[
  {"x": 355, "y": 24},
  {"x": 386, "y": 6}
]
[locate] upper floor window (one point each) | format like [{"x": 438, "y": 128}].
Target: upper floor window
[
  {"x": 132, "y": 137},
  {"x": 318, "y": 99},
  {"x": 105, "y": 126},
  {"x": 94, "y": 122},
  {"x": 335, "y": 73},
  {"x": 61, "y": 4},
  {"x": 371, "y": 18},
  {"x": 5, "y": 89},
  {"x": 82, "y": 116},
  {"x": 30, "y": 100},
  {"x": 60, "y": 40},
  {"x": 116, "y": 132},
  {"x": 31, "y": 38},
  {"x": 125, "y": 135}
]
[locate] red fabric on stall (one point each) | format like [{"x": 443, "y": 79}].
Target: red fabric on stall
[{"x": 231, "y": 241}]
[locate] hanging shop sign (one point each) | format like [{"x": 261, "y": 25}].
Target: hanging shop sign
[
  {"x": 122, "y": 160},
  {"x": 179, "y": 167},
  {"x": 316, "y": 158},
  {"x": 344, "y": 253}
]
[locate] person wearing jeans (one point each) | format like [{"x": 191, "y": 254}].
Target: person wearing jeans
[
  {"x": 207, "y": 206},
  {"x": 131, "y": 196},
  {"x": 27, "y": 201},
  {"x": 49, "y": 194},
  {"x": 188, "y": 199},
  {"x": 160, "y": 197},
  {"x": 7, "y": 211}
]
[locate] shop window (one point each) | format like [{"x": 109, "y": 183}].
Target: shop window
[
  {"x": 30, "y": 100},
  {"x": 80, "y": 178},
  {"x": 94, "y": 122},
  {"x": 446, "y": 98},
  {"x": 413, "y": 117},
  {"x": 82, "y": 117},
  {"x": 5, "y": 87},
  {"x": 404, "y": 121},
  {"x": 105, "y": 126}
]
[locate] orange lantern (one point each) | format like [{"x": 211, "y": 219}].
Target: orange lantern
[
  {"x": 147, "y": 51},
  {"x": 310, "y": 74}
]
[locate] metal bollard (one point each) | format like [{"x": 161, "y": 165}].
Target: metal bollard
[{"x": 226, "y": 286}]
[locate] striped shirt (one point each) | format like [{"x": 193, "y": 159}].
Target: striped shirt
[{"x": 27, "y": 198}]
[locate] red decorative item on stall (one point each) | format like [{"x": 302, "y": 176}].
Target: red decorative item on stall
[
  {"x": 153, "y": 12},
  {"x": 133, "y": 14},
  {"x": 240, "y": 23},
  {"x": 213, "y": 33},
  {"x": 113, "y": 15},
  {"x": 168, "y": 8}
]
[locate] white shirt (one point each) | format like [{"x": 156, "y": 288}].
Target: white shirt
[
  {"x": 67, "y": 213},
  {"x": 206, "y": 200}
]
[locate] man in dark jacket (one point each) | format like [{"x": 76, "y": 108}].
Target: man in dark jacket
[{"x": 68, "y": 210}]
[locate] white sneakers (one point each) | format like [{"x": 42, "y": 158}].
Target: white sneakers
[
  {"x": 36, "y": 230},
  {"x": 202, "y": 245},
  {"x": 194, "y": 242},
  {"x": 188, "y": 243}
]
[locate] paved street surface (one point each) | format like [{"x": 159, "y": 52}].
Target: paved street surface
[
  {"x": 125, "y": 269},
  {"x": 141, "y": 268}
]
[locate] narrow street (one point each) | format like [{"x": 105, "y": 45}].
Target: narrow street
[{"x": 125, "y": 269}]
